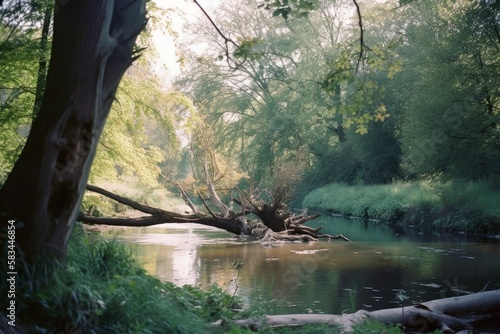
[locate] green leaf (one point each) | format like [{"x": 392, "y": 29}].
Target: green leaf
[{"x": 277, "y": 12}]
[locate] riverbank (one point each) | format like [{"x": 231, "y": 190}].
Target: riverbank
[
  {"x": 101, "y": 288},
  {"x": 451, "y": 206}
]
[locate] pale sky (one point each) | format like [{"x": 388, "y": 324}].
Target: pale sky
[{"x": 183, "y": 11}]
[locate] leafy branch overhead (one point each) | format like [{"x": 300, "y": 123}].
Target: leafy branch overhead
[
  {"x": 247, "y": 48},
  {"x": 302, "y": 8}
]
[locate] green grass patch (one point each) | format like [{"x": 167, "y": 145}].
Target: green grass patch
[{"x": 453, "y": 205}]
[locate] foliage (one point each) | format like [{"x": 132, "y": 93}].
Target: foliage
[
  {"x": 451, "y": 96},
  {"x": 19, "y": 56},
  {"x": 366, "y": 327},
  {"x": 358, "y": 161},
  {"x": 442, "y": 94},
  {"x": 245, "y": 47},
  {"x": 96, "y": 206},
  {"x": 206, "y": 156},
  {"x": 140, "y": 134},
  {"x": 210, "y": 305},
  {"x": 306, "y": 329},
  {"x": 275, "y": 107},
  {"x": 286, "y": 8},
  {"x": 422, "y": 100},
  {"x": 370, "y": 326},
  {"x": 139, "y": 138}
]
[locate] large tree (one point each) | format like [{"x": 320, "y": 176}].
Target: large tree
[
  {"x": 451, "y": 94},
  {"x": 291, "y": 87},
  {"x": 93, "y": 45}
]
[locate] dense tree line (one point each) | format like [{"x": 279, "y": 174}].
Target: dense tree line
[
  {"x": 421, "y": 100},
  {"x": 392, "y": 91}
]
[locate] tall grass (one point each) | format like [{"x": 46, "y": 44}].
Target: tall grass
[{"x": 452, "y": 205}]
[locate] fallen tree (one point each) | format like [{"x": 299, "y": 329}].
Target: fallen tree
[
  {"x": 276, "y": 222},
  {"x": 459, "y": 314}
]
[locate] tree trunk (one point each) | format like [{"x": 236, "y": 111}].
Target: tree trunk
[
  {"x": 157, "y": 216},
  {"x": 92, "y": 47}
]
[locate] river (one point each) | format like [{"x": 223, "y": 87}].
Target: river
[{"x": 381, "y": 267}]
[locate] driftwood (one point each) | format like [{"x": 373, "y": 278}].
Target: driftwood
[
  {"x": 276, "y": 222},
  {"x": 450, "y": 315}
]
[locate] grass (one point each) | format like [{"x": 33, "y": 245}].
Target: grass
[{"x": 454, "y": 205}]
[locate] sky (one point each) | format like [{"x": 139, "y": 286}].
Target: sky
[{"x": 181, "y": 12}]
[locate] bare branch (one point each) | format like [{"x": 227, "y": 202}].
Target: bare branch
[
  {"x": 188, "y": 202},
  {"x": 361, "y": 34},
  {"x": 214, "y": 198},
  {"x": 227, "y": 40}
]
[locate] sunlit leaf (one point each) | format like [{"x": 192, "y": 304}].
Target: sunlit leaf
[{"x": 362, "y": 129}]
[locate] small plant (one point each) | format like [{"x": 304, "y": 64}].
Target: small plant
[
  {"x": 402, "y": 297},
  {"x": 237, "y": 265},
  {"x": 352, "y": 299},
  {"x": 374, "y": 327}
]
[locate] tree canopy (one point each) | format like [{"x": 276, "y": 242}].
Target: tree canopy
[{"x": 420, "y": 100}]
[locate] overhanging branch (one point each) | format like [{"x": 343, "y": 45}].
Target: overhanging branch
[{"x": 361, "y": 34}]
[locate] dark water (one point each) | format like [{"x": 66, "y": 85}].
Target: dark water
[{"x": 328, "y": 276}]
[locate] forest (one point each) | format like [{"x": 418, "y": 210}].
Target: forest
[
  {"x": 384, "y": 110},
  {"x": 411, "y": 96}
]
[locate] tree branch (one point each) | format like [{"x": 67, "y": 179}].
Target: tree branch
[
  {"x": 283, "y": 226},
  {"x": 361, "y": 34},
  {"x": 226, "y": 39}
]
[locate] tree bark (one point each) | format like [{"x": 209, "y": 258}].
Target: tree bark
[
  {"x": 450, "y": 315},
  {"x": 93, "y": 45}
]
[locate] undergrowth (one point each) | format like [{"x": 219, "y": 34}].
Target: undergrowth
[{"x": 453, "y": 205}]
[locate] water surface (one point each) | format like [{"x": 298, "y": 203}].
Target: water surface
[{"x": 328, "y": 276}]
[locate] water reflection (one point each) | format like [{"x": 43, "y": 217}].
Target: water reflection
[{"x": 329, "y": 277}]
